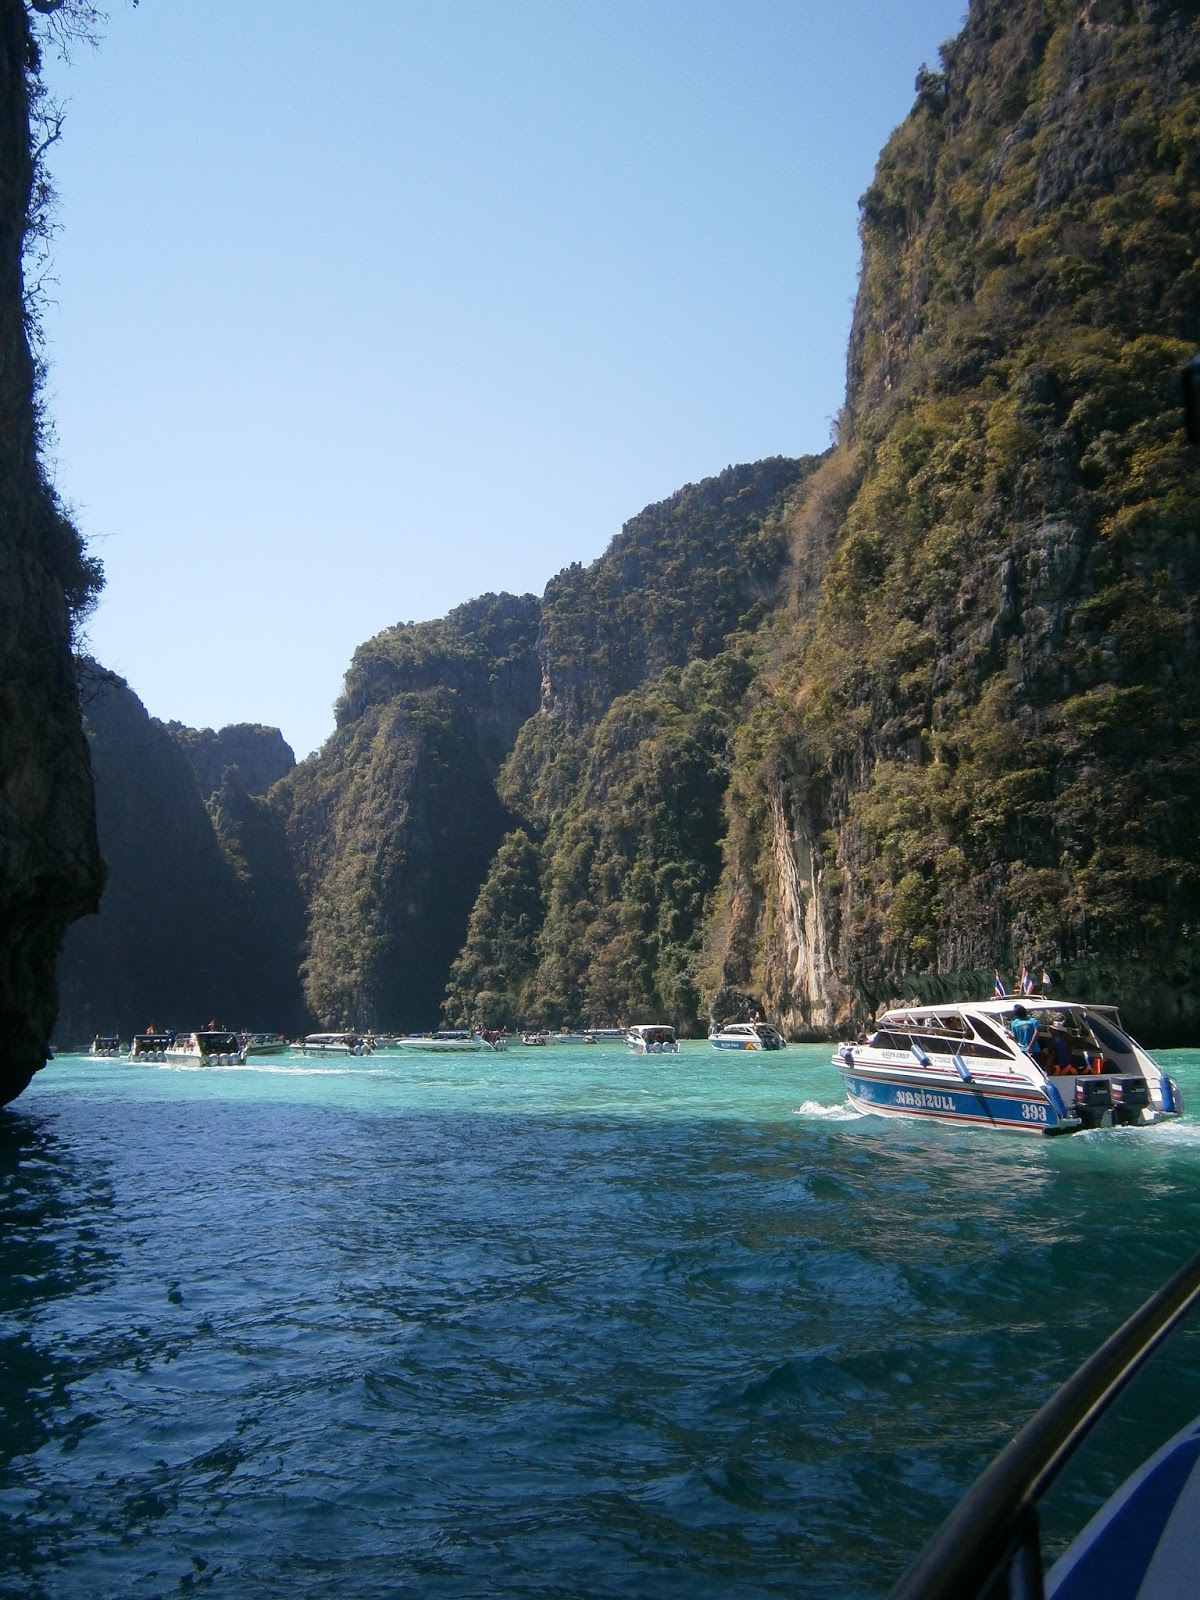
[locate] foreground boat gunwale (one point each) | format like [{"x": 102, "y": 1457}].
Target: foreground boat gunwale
[{"x": 993, "y": 1531}]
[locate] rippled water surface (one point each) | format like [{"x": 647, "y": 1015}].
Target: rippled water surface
[{"x": 559, "y": 1322}]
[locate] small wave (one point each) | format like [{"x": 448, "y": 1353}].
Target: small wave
[
  {"x": 842, "y": 1112},
  {"x": 306, "y": 1072}
]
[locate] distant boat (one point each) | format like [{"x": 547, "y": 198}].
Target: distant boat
[
  {"x": 264, "y": 1044},
  {"x": 105, "y": 1045},
  {"x": 563, "y": 1037},
  {"x": 449, "y": 1040},
  {"x": 747, "y": 1036},
  {"x": 335, "y": 1044},
  {"x": 151, "y": 1047},
  {"x": 652, "y": 1039},
  {"x": 208, "y": 1048}
]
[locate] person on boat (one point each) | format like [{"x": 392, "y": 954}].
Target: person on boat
[
  {"x": 1024, "y": 1029},
  {"x": 1024, "y": 1032},
  {"x": 1060, "y": 1046}
]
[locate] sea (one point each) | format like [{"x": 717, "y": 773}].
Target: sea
[{"x": 548, "y": 1322}]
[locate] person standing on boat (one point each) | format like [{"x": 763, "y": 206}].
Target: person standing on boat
[{"x": 1023, "y": 1028}]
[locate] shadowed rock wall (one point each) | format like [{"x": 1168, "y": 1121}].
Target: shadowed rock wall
[{"x": 50, "y": 868}]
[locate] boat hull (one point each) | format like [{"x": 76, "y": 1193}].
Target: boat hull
[
  {"x": 1016, "y": 1109},
  {"x": 431, "y": 1044},
  {"x": 742, "y": 1044}
]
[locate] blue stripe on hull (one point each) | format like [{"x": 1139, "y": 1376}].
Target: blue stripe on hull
[{"x": 1029, "y": 1112}]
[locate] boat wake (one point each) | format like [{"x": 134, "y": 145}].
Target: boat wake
[{"x": 842, "y": 1112}]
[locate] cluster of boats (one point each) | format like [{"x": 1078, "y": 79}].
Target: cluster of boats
[
  {"x": 208, "y": 1047},
  {"x": 1035, "y": 1065}
]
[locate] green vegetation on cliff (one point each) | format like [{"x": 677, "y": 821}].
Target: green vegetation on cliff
[
  {"x": 393, "y": 823},
  {"x": 1000, "y": 676},
  {"x": 816, "y": 733}
]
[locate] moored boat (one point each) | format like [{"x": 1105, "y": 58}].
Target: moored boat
[
  {"x": 335, "y": 1044},
  {"x": 962, "y": 1063},
  {"x": 150, "y": 1047},
  {"x": 563, "y": 1036},
  {"x": 211, "y": 1047},
  {"x": 652, "y": 1039},
  {"x": 449, "y": 1040},
  {"x": 746, "y": 1036},
  {"x": 264, "y": 1044}
]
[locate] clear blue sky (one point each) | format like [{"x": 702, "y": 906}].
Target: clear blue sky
[{"x": 364, "y": 309}]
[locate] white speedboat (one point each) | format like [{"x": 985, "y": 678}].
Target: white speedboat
[
  {"x": 563, "y": 1036},
  {"x": 335, "y": 1044},
  {"x": 150, "y": 1047},
  {"x": 747, "y": 1036},
  {"x": 449, "y": 1041},
  {"x": 107, "y": 1045},
  {"x": 208, "y": 1048},
  {"x": 652, "y": 1039},
  {"x": 264, "y": 1044},
  {"x": 962, "y": 1063}
]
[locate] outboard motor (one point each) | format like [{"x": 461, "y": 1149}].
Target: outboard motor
[{"x": 1093, "y": 1101}]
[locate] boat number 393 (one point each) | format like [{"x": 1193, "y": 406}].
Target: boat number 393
[{"x": 1031, "y": 1112}]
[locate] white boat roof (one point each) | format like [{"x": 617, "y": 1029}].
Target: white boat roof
[{"x": 998, "y": 1009}]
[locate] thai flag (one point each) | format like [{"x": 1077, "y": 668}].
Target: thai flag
[
  {"x": 1026, "y": 981},
  {"x": 1000, "y": 991},
  {"x": 1046, "y": 984}
]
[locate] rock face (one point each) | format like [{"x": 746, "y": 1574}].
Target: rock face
[
  {"x": 392, "y": 824},
  {"x": 201, "y": 918},
  {"x": 250, "y": 756},
  {"x": 50, "y": 868},
  {"x": 983, "y": 741}
]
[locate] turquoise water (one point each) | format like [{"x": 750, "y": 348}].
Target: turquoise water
[{"x": 559, "y": 1322}]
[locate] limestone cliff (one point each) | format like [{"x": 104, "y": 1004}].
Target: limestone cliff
[
  {"x": 201, "y": 917},
  {"x": 392, "y": 824},
  {"x": 50, "y": 868},
  {"x": 982, "y": 742},
  {"x": 245, "y": 754}
]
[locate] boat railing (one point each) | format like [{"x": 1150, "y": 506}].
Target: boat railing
[{"x": 990, "y": 1546}]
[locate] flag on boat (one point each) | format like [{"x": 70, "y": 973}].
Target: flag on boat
[
  {"x": 1046, "y": 984},
  {"x": 999, "y": 990},
  {"x": 1026, "y": 981}
]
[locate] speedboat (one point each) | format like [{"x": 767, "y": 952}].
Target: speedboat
[
  {"x": 746, "y": 1036},
  {"x": 335, "y": 1044},
  {"x": 209, "y": 1048},
  {"x": 105, "y": 1045},
  {"x": 962, "y": 1063},
  {"x": 264, "y": 1044},
  {"x": 150, "y": 1047},
  {"x": 453, "y": 1040},
  {"x": 563, "y": 1036},
  {"x": 652, "y": 1039}
]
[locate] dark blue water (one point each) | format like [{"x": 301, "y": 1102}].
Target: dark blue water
[{"x": 556, "y": 1323}]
